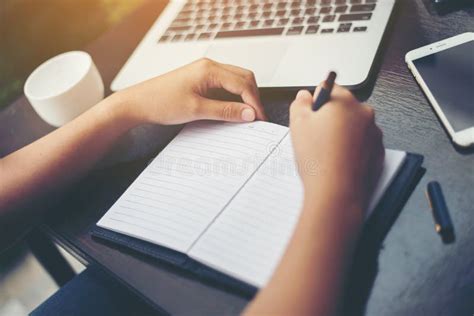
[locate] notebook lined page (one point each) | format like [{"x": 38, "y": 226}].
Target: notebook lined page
[
  {"x": 182, "y": 191},
  {"x": 249, "y": 238}
]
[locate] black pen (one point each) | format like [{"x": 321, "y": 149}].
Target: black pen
[
  {"x": 443, "y": 224},
  {"x": 325, "y": 93}
]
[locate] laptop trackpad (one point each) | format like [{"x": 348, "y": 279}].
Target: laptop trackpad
[{"x": 263, "y": 58}]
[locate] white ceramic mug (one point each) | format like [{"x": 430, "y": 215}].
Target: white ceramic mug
[{"x": 63, "y": 87}]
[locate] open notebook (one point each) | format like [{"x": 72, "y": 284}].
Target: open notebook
[{"x": 227, "y": 195}]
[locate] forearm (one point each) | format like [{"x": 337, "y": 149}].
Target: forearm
[
  {"x": 63, "y": 156},
  {"x": 58, "y": 159},
  {"x": 309, "y": 279}
]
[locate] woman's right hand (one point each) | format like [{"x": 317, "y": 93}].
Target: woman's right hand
[
  {"x": 339, "y": 152},
  {"x": 339, "y": 148}
]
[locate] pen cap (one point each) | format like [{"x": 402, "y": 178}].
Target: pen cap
[{"x": 440, "y": 209}]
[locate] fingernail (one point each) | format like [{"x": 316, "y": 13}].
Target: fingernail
[
  {"x": 301, "y": 94},
  {"x": 248, "y": 115}
]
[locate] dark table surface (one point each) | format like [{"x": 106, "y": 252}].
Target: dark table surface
[{"x": 416, "y": 273}]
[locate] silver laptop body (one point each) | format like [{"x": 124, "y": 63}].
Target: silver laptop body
[{"x": 292, "y": 43}]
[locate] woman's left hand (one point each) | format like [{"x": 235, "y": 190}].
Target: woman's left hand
[{"x": 180, "y": 96}]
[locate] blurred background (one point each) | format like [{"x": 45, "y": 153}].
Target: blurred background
[{"x": 31, "y": 31}]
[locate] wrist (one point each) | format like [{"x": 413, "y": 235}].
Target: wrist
[
  {"x": 333, "y": 208},
  {"x": 337, "y": 187},
  {"x": 119, "y": 110}
]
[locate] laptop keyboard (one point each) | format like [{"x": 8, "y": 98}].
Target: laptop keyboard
[{"x": 201, "y": 20}]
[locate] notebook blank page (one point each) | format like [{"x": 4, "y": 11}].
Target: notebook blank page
[
  {"x": 182, "y": 191},
  {"x": 249, "y": 238}
]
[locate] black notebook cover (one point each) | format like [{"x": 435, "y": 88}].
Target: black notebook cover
[{"x": 379, "y": 224}]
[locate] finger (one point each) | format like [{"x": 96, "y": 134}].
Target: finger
[
  {"x": 339, "y": 92},
  {"x": 303, "y": 99},
  {"x": 226, "y": 111},
  {"x": 302, "y": 102},
  {"x": 250, "y": 76},
  {"x": 238, "y": 70},
  {"x": 244, "y": 86},
  {"x": 369, "y": 111}
]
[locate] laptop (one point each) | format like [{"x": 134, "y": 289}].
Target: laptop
[{"x": 292, "y": 43}]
